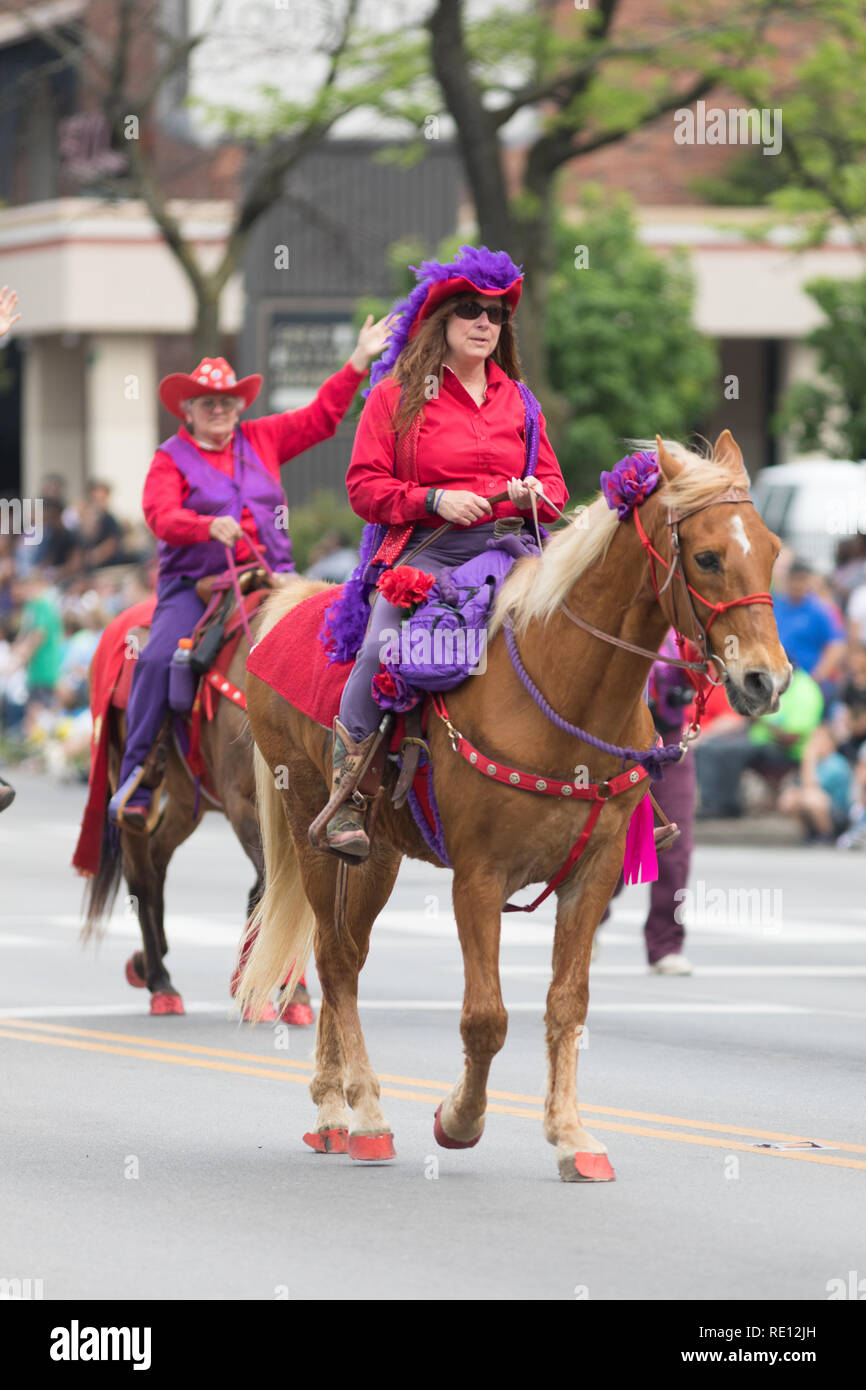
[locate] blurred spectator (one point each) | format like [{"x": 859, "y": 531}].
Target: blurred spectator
[
  {"x": 833, "y": 765},
  {"x": 850, "y": 571},
  {"x": 772, "y": 744},
  {"x": 58, "y": 549},
  {"x": 99, "y": 533},
  {"x": 332, "y": 558},
  {"x": 38, "y": 645},
  {"x": 810, "y": 629}
]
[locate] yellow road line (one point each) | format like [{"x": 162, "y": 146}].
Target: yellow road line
[{"x": 151, "y": 1052}]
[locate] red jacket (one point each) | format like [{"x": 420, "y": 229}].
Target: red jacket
[
  {"x": 460, "y": 445},
  {"x": 275, "y": 438}
]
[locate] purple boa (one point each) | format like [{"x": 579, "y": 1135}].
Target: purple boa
[
  {"x": 346, "y": 619},
  {"x": 488, "y": 270},
  {"x": 630, "y": 482}
]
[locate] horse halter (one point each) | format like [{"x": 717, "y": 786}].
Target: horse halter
[{"x": 698, "y": 635}]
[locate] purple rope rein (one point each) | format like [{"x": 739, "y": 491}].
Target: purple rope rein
[{"x": 653, "y": 759}]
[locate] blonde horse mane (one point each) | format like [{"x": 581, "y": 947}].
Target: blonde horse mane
[{"x": 537, "y": 585}]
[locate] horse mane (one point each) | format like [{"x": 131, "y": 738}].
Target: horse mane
[{"x": 537, "y": 585}]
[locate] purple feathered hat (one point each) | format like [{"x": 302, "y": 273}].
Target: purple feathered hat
[{"x": 474, "y": 268}]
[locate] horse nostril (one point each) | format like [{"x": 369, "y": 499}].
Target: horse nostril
[{"x": 759, "y": 685}]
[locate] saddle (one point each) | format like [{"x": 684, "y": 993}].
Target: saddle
[
  {"x": 216, "y": 592},
  {"x": 219, "y": 625}
]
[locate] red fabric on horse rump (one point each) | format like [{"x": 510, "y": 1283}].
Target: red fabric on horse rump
[
  {"x": 106, "y": 669},
  {"x": 293, "y": 662}
]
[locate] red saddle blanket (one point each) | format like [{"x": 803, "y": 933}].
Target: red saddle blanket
[
  {"x": 293, "y": 662},
  {"x": 110, "y": 681}
]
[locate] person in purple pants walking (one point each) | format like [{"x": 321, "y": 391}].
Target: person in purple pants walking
[{"x": 668, "y": 693}]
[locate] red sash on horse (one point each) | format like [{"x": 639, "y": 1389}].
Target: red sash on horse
[{"x": 110, "y": 683}]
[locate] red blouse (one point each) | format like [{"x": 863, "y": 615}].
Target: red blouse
[
  {"x": 462, "y": 445},
  {"x": 275, "y": 438}
]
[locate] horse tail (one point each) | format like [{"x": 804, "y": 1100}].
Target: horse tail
[
  {"x": 279, "y": 936},
  {"x": 101, "y": 890}
]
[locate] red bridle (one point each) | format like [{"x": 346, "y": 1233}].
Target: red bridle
[{"x": 674, "y": 566}]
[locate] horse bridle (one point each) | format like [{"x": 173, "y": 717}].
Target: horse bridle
[{"x": 674, "y": 567}]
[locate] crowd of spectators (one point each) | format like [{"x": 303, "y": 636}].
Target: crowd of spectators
[
  {"x": 62, "y": 579},
  {"x": 811, "y": 754}
]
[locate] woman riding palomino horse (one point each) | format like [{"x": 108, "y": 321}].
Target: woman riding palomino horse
[
  {"x": 216, "y": 483},
  {"x": 572, "y": 639},
  {"x": 423, "y": 456}
]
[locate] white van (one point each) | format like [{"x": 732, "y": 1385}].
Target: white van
[{"x": 813, "y": 505}]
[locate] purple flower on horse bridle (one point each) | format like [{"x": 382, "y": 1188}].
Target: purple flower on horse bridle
[{"x": 630, "y": 482}]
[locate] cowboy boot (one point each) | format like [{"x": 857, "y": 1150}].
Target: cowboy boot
[{"x": 344, "y": 829}]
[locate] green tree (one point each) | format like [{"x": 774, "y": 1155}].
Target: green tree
[
  {"x": 830, "y": 414},
  {"x": 587, "y": 79},
  {"x": 622, "y": 347}
]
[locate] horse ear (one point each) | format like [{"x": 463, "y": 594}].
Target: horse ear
[
  {"x": 669, "y": 466},
  {"x": 727, "y": 452}
]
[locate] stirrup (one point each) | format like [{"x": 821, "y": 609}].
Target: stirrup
[{"x": 117, "y": 812}]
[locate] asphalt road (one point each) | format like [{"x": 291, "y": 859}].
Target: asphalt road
[{"x": 162, "y": 1157}]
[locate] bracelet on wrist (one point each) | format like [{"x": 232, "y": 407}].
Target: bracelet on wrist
[{"x": 430, "y": 500}]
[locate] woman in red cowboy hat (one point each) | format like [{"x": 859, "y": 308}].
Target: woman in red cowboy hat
[
  {"x": 216, "y": 483},
  {"x": 444, "y": 429}
]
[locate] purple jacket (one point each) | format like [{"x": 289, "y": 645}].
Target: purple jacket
[{"x": 212, "y": 493}]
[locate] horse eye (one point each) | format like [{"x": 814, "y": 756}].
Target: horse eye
[{"x": 708, "y": 560}]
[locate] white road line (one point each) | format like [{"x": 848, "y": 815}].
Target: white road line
[
  {"x": 413, "y": 1006},
  {"x": 719, "y": 972}
]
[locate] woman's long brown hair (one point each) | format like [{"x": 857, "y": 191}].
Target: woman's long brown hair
[{"x": 422, "y": 362}]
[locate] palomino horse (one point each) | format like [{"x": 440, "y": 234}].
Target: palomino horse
[
  {"x": 226, "y": 745},
  {"x": 500, "y": 837}
]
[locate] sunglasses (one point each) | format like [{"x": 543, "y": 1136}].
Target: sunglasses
[
  {"x": 211, "y": 404},
  {"x": 471, "y": 309}
]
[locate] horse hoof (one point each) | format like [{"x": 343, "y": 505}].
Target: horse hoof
[
  {"x": 266, "y": 1014},
  {"x": 166, "y": 1001},
  {"x": 445, "y": 1141},
  {"x": 586, "y": 1167},
  {"x": 299, "y": 1015},
  {"x": 371, "y": 1147},
  {"x": 134, "y": 969},
  {"x": 329, "y": 1141}
]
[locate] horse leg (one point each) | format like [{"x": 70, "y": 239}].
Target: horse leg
[
  {"x": 580, "y": 1156},
  {"x": 339, "y": 960},
  {"x": 148, "y": 861},
  {"x": 478, "y": 898},
  {"x": 145, "y": 882},
  {"x": 331, "y": 1135}
]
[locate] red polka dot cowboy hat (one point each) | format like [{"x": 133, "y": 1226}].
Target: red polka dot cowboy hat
[
  {"x": 474, "y": 270},
  {"x": 212, "y": 377}
]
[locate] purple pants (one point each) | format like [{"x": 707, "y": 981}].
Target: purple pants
[
  {"x": 675, "y": 794},
  {"x": 177, "y": 611},
  {"x": 359, "y": 713}
]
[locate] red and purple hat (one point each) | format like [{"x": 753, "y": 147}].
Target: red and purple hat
[
  {"x": 473, "y": 269},
  {"x": 212, "y": 377}
]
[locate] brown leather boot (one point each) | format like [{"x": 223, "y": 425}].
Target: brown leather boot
[{"x": 344, "y": 830}]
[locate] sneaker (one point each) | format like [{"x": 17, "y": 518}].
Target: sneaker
[
  {"x": 674, "y": 964},
  {"x": 854, "y": 837}
]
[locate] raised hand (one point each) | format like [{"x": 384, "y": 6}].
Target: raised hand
[
  {"x": 8, "y": 305},
  {"x": 371, "y": 340}
]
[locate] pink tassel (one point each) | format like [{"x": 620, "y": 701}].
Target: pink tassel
[{"x": 640, "y": 862}]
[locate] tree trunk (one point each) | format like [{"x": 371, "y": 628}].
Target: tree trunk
[{"x": 206, "y": 333}]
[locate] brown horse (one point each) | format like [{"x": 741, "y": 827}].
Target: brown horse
[
  {"x": 499, "y": 837},
  {"x": 226, "y": 745}
]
